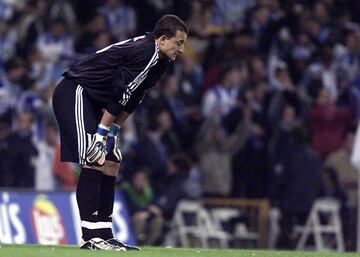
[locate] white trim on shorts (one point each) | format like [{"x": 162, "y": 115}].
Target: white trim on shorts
[{"x": 79, "y": 121}]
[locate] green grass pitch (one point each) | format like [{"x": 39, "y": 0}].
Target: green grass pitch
[{"x": 71, "y": 251}]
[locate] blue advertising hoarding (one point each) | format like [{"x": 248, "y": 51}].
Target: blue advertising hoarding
[{"x": 51, "y": 218}]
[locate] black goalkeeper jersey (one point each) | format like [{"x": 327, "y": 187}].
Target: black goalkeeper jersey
[{"x": 119, "y": 72}]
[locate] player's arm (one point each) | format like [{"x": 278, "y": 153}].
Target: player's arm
[
  {"x": 114, "y": 143},
  {"x": 141, "y": 57},
  {"x": 96, "y": 153},
  {"x": 123, "y": 101},
  {"x": 107, "y": 119}
]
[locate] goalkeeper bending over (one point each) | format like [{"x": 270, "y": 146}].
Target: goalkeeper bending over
[{"x": 97, "y": 95}]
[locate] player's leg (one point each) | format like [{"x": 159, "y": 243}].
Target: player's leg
[
  {"x": 106, "y": 196},
  {"x": 111, "y": 168},
  {"x": 87, "y": 192},
  {"x": 106, "y": 201},
  {"x": 70, "y": 103},
  {"x": 109, "y": 174}
]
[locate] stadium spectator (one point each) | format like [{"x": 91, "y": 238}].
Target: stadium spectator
[
  {"x": 40, "y": 70},
  {"x": 174, "y": 188},
  {"x": 190, "y": 76},
  {"x": 295, "y": 182},
  {"x": 215, "y": 148},
  {"x": 230, "y": 14},
  {"x": 146, "y": 217},
  {"x": 6, "y": 171},
  {"x": 12, "y": 82},
  {"x": 22, "y": 156},
  {"x": 171, "y": 100},
  {"x": 258, "y": 71},
  {"x": 6, "y": 10},
  {"x": 349, "y": 95},
  {"x": 339, "y": 162},
  {"x": 29, "y": 99},
  {"x": 325, "y": 71},
  {"x": 55, "y": 44},
  {"x": 45, "y": 159},
  {"x": 8, "y": 40},
  {"x": 224, "y": 94},
  {"x": 282, "y": 80},
  {"x": 120, "y": 18},
  {"x": 249, "y": 165},
  {"x": 31, "y": 25},
  {"x": 129, "y": 142},
  {"x": 347, "y": 53},
  {"x": 266, "y": 24},
  {"x": 84, "y": 42},
  {"x": 277, "y": 100},
  {"x": 328, "y": 123},
  {"x": 203, "y": 31},
  {"x": 151, "y": 150},
  {"x": 300, "y": 56},
  {"x": 63, "y": 9}
]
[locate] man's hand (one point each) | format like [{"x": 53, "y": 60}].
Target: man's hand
[
  {"x": 116, "y": 149},
  {"x": 95, "y": 155},
  {"x": 114, "y": 142}
]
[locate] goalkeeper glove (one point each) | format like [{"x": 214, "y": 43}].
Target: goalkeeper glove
[
  {"x": 114, "y": 142},
  {"x": 95, "y": 155}
]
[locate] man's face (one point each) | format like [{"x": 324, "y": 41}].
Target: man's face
[{"x": 172, "y": 47}]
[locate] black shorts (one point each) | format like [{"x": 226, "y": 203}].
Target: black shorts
[{"x": 78, "y": 116}]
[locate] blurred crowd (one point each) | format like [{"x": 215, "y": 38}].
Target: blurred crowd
[{"x": 263, "y": 104}]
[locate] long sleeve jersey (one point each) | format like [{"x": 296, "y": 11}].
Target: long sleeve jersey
[{"x": 119, "y": 75}]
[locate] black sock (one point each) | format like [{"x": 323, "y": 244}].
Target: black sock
[
  {"x": 87, "y": 196},
  {"x": 106, "y": 204}
]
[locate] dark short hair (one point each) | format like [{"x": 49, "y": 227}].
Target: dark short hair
[{"x": 168, "y": 25}]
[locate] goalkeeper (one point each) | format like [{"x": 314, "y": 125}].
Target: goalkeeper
[{"x": 97, "y": 95}]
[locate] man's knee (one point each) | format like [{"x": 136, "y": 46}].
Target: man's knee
[
  {"x": 94, "y": 167},
  {"x": 111, "y": 168}
]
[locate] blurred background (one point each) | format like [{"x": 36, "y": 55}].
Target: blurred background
[{"x": 251, "y": 130}]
